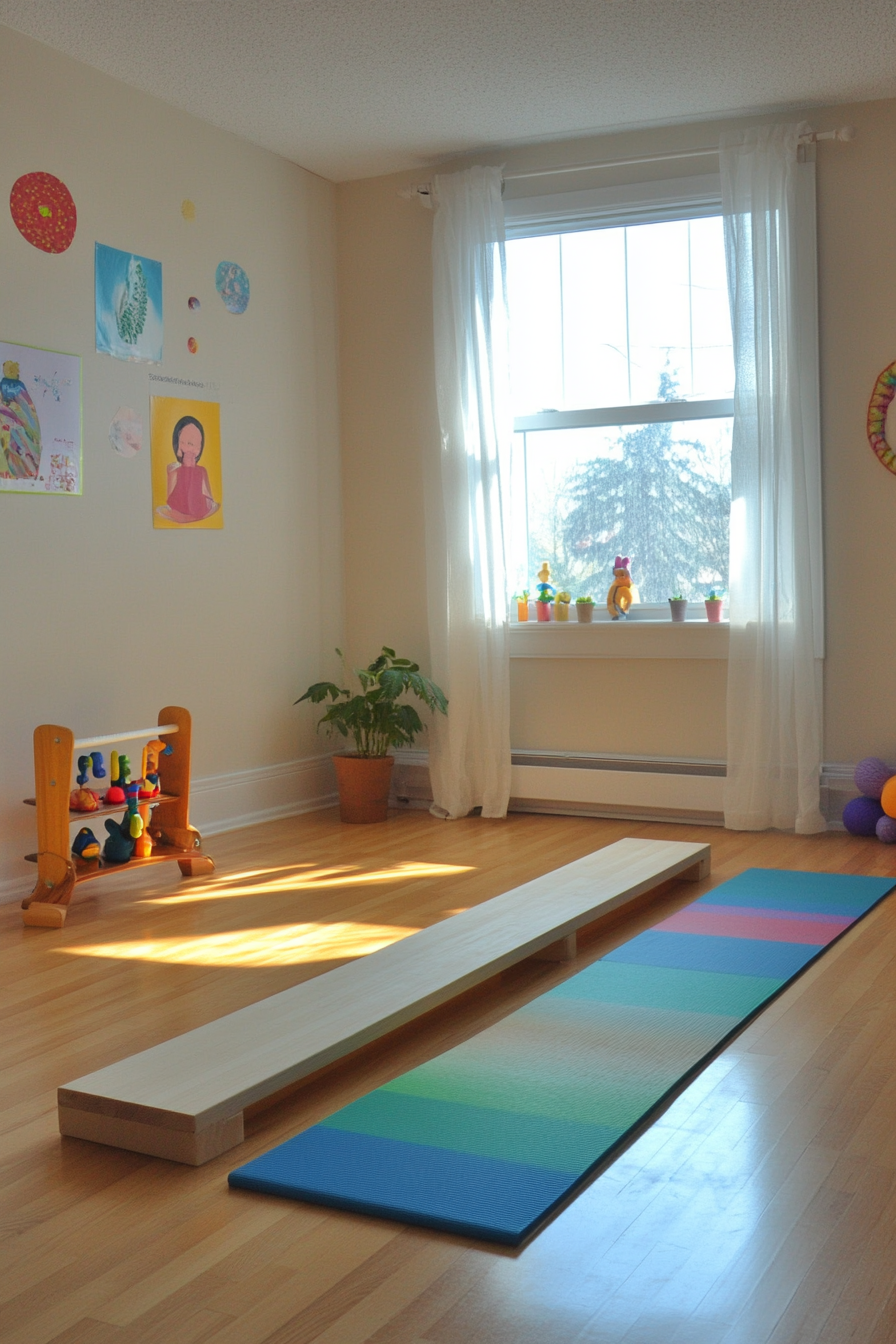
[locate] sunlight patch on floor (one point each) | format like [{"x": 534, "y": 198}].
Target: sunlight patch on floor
[
  {"x": 281, "y": 945},
  {"x": 302, "y": 877}
]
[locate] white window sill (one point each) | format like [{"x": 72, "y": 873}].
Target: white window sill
[{"x": 642, "y": 636}]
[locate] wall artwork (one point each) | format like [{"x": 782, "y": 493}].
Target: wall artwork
[
  {"x": 40, "y": 421},
  {"x": 126, "y": 432},
  {"x": 43, "y": 211},
  {"x": 185, "y": 446},
  {"x": 232, "y": 283},
  {"x": 128, "y": 305}
]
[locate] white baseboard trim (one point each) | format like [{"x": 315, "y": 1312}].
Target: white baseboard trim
[{"x": 227, "y": 802}]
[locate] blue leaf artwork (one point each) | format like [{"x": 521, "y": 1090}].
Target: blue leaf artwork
[{"x": 128, "y": 305}]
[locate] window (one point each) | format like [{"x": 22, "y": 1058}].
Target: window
[{"x": 622, "y": 379}]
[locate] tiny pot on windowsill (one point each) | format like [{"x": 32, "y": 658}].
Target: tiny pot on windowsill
[
  {"x": 678, "y": 606},
  {"x": 522, "y": 605},
  {"x": 561, "y": 606},
  {"x": 713, "y": 608},
  {"x": 543, "y": 610},
  {"x": 376, "y": 720},
  {"x": 584, "y": 610}
]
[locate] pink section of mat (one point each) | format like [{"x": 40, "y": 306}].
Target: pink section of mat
[{"x": 732, "y": 922}]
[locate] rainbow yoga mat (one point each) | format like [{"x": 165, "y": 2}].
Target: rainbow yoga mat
[{"x": 487, "y": 1139}]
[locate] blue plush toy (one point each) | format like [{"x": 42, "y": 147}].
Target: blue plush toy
[{"x": 85, "y": 844}]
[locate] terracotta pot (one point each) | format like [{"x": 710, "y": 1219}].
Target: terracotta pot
[
  {"x": 714, "y": 610},
  {"x": 543, "y": 610},
  {"x": 585, "y": 612},
  {"x": 363, "y": 786},
  {"x": 679, "y": 607}
]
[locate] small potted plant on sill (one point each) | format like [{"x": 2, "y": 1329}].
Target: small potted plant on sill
[
  {"x": 678, "y": 606},
  {"x": 522, "y": 605},
  {"x": 584, "y": 610},
  {"x": 561, "y": 606},
  {"x": 376, "y": 721},
  {"x": 713, "y": 607}
]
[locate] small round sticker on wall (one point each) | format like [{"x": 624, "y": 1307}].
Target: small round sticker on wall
[
  {"x": 232, "y": 283},
  {"x": 43, "y": 211}
]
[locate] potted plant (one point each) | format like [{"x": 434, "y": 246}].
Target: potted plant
[
  {"x": 584, "y": 610},
  {"x": 713, "y": 607},
  {"x": 376, "y": 720},
  {"x": 543, "y": 607},
  {"x": 522, "y": 605},
  {"x": 678, "y": 606},
  {"x": 561, "y": 606}
]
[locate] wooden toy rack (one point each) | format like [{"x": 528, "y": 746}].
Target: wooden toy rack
[{"x": 58, "y": 870}]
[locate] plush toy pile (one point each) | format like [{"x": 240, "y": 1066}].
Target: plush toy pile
[{"x": 875, "y": 812}]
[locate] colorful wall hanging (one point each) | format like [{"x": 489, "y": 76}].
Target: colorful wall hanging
[
  {"x": 128, "y": 305},
  {"x": 43, "y": 211},
  {"x": 40, "y": 421},
  {"x": 185, "y": 445},
  {"x": 232, "y": 283},
  {"x": 884, "y": 391},
  {"x": 126, "y": 432}
]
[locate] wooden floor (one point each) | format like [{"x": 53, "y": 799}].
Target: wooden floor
[{"x": 761, "y": 1206}]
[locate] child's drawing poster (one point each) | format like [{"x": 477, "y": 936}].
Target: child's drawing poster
[
  {"x": 40, "y": 421},
  {"x": 185, "y": 447},
  {"x": 128, "y": 305}
]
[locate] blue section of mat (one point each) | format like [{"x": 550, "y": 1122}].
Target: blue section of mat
[
  {"x": 705, "y": 952},
  {"x": 456, "y": 1192},
  {"x": 489, "y": 1138}
]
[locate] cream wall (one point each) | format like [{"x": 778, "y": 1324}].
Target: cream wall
[
  {"x": 104, "y": 619},
  {"x": 664, "y": 707}
]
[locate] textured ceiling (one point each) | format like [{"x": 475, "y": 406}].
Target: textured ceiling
[{"x": 354, "y": 88}]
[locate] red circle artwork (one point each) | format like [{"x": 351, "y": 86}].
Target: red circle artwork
[{"x": 43, "y": 211}]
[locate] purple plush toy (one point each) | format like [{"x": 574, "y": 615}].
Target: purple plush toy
[
  {"x": 861, "y": 815},
  {"x": 886, "y": 830},
  {"x": 871, "y": 775}
]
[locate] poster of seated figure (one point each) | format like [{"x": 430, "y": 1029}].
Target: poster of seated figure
[
  {"x": 40, "y": 421},
  {"x": 185, "y": 447}
]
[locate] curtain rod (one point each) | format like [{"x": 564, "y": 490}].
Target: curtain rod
[{"x": 423, "y": 190}]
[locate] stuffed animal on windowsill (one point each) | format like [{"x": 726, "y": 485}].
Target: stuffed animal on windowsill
[{"x": 622, "y": 591}]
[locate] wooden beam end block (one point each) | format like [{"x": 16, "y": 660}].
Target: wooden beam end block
[
  {"x": 41, "y": 914},
  {"x": 192, "y": 1147},
  {"x": 698, "y": 872}
]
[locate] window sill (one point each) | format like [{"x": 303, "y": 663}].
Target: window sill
[{"x": 642, "y": 637}]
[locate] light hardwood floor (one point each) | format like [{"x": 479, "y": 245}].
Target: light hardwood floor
[{"x": 761, "y": 1206}]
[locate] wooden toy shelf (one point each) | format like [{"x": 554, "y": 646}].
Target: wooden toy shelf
[{"x": 174, "y": 839}]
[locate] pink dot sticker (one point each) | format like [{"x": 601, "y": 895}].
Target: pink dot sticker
[{"x": 192, "y": 345}]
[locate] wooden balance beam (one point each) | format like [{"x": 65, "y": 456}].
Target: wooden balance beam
[{"x": 184, "y": 1099}]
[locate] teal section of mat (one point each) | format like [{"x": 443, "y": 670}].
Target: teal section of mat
[{"x": 488, "y": 1138}]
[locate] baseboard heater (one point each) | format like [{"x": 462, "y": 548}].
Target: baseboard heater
[{"x": 592, "y": 785}]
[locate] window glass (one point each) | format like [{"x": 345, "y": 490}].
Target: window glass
[
  {"x": 620, "y": 316},
  {"x": 660, "y": 493}
]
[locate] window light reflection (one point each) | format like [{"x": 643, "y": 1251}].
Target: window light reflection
[
  {"x": 281, "y": 945},
  {"x": 301, "y": 877}
]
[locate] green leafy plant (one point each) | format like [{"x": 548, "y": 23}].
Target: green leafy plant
[
  {"x": 676, "y": 597},
  {"x": 521, "y": 597},
  {"x": 714, "y": 596},
  {"x": 584, "y": 601},
  {"x": 374, "y": 718}
]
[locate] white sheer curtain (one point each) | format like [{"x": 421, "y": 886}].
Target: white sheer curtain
[
  {"x": 776, "y": 593},
  {"x": 469, "y": 753}
]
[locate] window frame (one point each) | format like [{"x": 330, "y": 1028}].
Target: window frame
[{"x": 610, "y": 207}]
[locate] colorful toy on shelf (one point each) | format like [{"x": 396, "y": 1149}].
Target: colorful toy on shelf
[
  {"x": 134, "y": 819},
  {"x": 150, "y": 769},
  {"x": 119, "y": 846},
  {"x": 85, "y": 844},
  {"x": 621, "y": 594},
  {"x": 115, "y": 793},
  {"x": 546, "y": 591},
  {"x": 83, "y": 800},
  {"x": 92, "y": 762}
]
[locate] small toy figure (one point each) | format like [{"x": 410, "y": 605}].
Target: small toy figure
[
  {"x": 85, "y": 844},
  {"x": 121, "y": 769},
  {"x": 621, "y": 594},
  {"x": 83, "y": 800},
  {"x": 119, "y": 847},
  {"x": 545, "y": 593},
  {"x": 92, "y": 762},
  {"x": 150, "y": 783}
]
